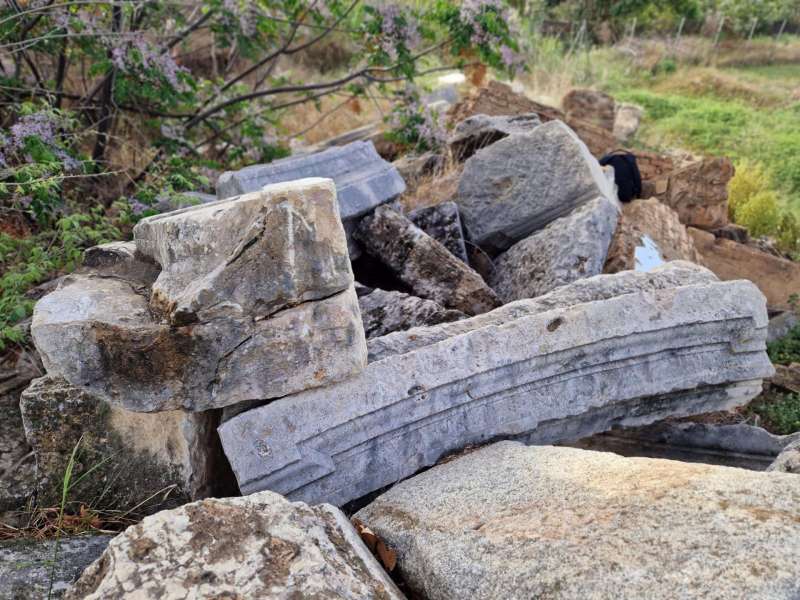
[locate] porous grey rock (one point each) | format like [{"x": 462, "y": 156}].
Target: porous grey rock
[
  {"x": 781, "y": 324},
  {"x": 479, "y": 131},
  {"x": 254, "y": 254},
  {"x": 510, "y": 521},
  {"x": 99, "y": 333},
  {"x": 520, "y": 184},
  {"x": 570, "y": 248},
  {"x": 558, "y": 375},
  {"x": 593, "y": 289},
  {"x": 124, "y": 460},
  {"x": 384, "y": 311},
  {"x": 788, "y": 460},
  {"x": 627, "y": 118},
  {"x": 414, "y": 167},
  {"x": 424, "y": 264},
  {"x": 260, "y": 546},
  {"x": 35, "y": 569},
  {"x": 592, "y": 106},
  {"x": 443, "y": 223},
  {"x": 363, "y": 179},
  {"x": 254, "y": 300}
]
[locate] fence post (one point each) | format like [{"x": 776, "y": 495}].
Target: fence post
[
  {"x": 677, "y": 39},
  {"x": 775, "y": 42},
  {"x": 753, "y": 25}
]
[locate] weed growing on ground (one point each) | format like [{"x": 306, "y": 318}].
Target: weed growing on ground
[
  {"x": 787, "y": 349},
  {"x": 778, "y": 413}
]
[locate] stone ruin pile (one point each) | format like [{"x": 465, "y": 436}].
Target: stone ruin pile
[{"x": 231, "y": 338}]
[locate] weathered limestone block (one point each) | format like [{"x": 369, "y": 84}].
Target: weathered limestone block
[
  {"x": 788, "y": 460},
  {"x": 787, "y": 377},
  {"x": 479, "y": 131},
  {"x": 599, "y": 140},
  {"x": 592, "y": 289},
  {"x": 149, "y": 461},
  {"x": 553, "y": 376},
  {"x": 699, "y": 192},
  {"x": 649, "y": 234},
  {"x": 412, "y": 167},
  {"x": 424, "y": 264},
  {"x": 570, "y": 248},
  {"x": 590, "y": 105},
  {"x": 510, "y": 521},
  {"x": 28, "y": 570},
  {"x": 498, "y": 99},
  {"x": 98, "y": 333},
  {"x": 654, "y": 169},
  {"x": 781, "y": 324},
  {"x": 254, "y": 254},
  {"x": 626, "y": 121},
  {"x": 383, "y": 312},
  {"x": 520, "y": 184},
  {"x": 120, "y": 259},
  {"x": 443, "y": 223},
  {"x": 777, "y": 278},
  {"x": 261, "y": 546},
  {"x": 363, "y": 179}
]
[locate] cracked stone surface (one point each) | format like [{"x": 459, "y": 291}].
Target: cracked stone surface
[
  {"x": 424, "y": 264},
  {"x": 570, "y": 248},
  {"x": 235, "y": 314},
  {"x": 509, "y": 521},
  {"x": 383, "y": 312},
  {"x": 553, "y": 376},
  {"x": 260, "y": 546},
  {"x": 518, "y": 185},
  {"x": 27, "y": 568},
  {"x": 479, "y": 131},
  {"x": 443, "y": 223},
  {"x": 130, "y": 460}
]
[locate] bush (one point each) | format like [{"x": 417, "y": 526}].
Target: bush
[{"x": 786, "y": 350}]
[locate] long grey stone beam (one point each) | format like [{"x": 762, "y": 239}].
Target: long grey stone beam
[{"x": 401, "y": 414}]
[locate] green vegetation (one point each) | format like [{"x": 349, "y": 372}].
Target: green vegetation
[
  {"x": 787, "y": 349},
  {"x": 778, "y": 413}
]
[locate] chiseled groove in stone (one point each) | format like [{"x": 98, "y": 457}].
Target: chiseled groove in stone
[
  {"x": 727, "y": 350},
  {"x": 326, "y": 443}
]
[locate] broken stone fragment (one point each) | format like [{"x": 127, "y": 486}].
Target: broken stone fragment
[
  {"x": 698, "y": 192},
  {"x": 788, "y": 460},
  {"x": 787, "y": 377},
  {"x": 590, "y": 105},
  {"x": 777, "y": 278},
  {"x": 626, "y": 121},
  {"x": 649, "y": 233},
  {"x": 98, "y": 333},
  {"x": 424, "y": 264},
  {"x": 593, "y": 289},
  {"x": 479, "y": 131},
  {"x": 570, "y": 248},
  {"x": 124, "y": 460},
  {"x": 443, "y": 223},
  {"x": 383, "y": 312},
  {"x": 260, "y": 546},
  {"x": 518, "y": 185},
  {"x": 363, "y": 179},
  {"x": 120, "y": 259},
  {"x": 252, "y": 255},
  {"x": 498, "y": 99},
  {"x": 553, "y": 376},
  {"x": 32, "y": 569},
  {"x": 509, "y": 521}
]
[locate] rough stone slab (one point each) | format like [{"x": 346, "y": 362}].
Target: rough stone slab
[
  {"x": 510, "y": 521},
  {"x": 98, "y": 333},
  {"x": 649, "y": 233},
  {"x": 782, "y": 324},
  {"x": 424, "y": 264},
  {"x": 498, "y": 99},
  {"x": 479, "y": 131},
  {"x": 261, "y": 546},
  {"x": 149, "y": 461},
  {"x": 120, "y": 259},
  {"x": 363, "y": 179},
  {"x": 443, "y": 223},
  {"x": 592, "y": 289},
  {"x": 27, "y": 568},
  {"x": 568, "y": 249},
  {"x": 787, "y": 377},
  {"x": 626, "y": 121},
  {"x": 699, "y": 192},
  {"x": 254, "y": 254},
  {"x": 520, "y": 184},
  {"x": 590, "y": 105},
  {"x": 383, "y": 312},
  {"x": 733, "y": 445},
  {"x": 573, "y": 371},
  {"x": 777, "y": 278}
]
